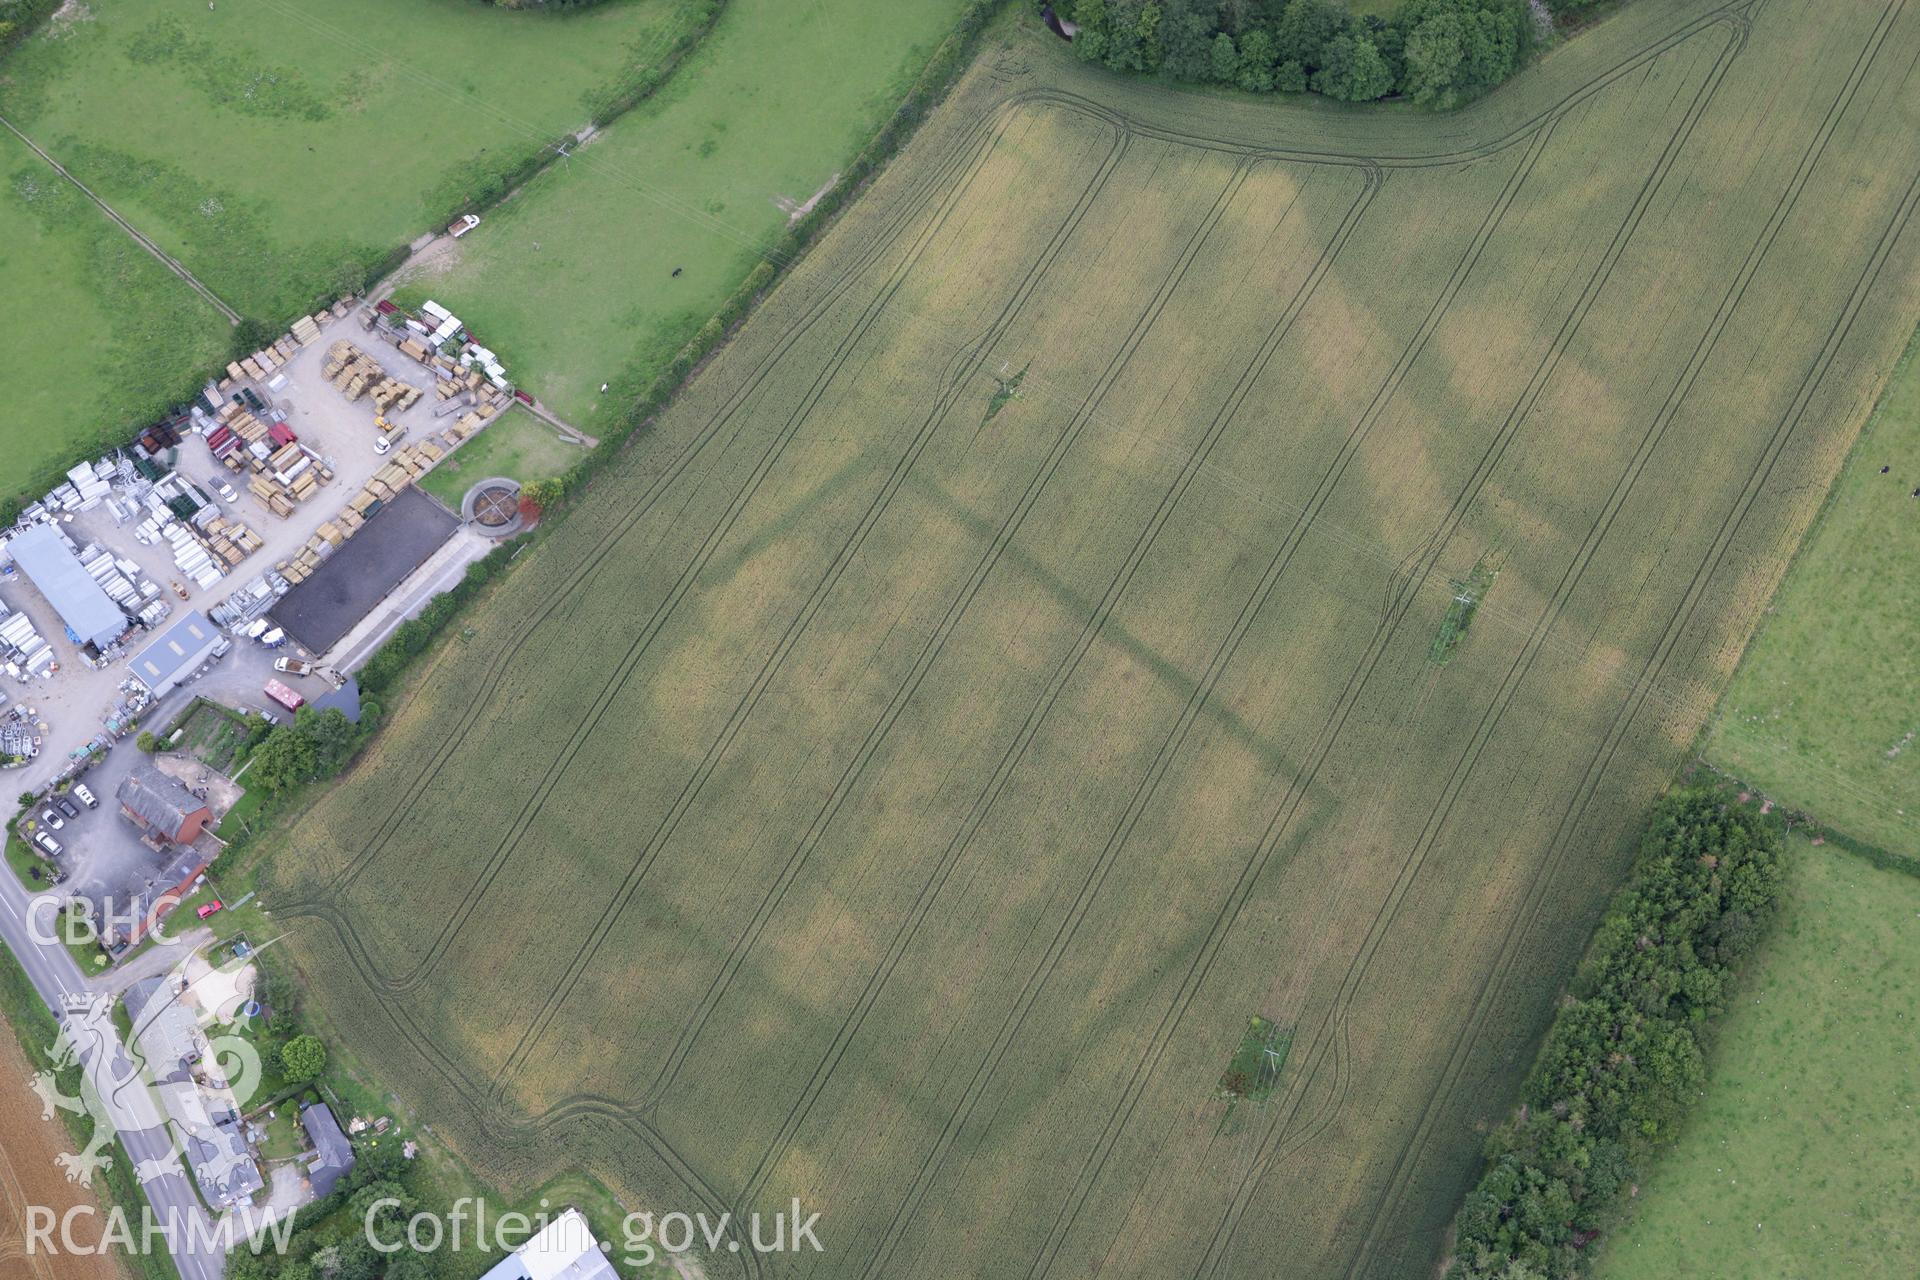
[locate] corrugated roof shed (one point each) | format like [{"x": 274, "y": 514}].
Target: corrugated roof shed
[
  {"x": 50, "y": 564},
  {"x": 180, "y": 648}
]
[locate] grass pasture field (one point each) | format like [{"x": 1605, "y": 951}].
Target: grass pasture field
[
  {"x": 281, "y": 147},
  {"x": 890, "y": 793},
  {"x": 278, "y": 149},
  {"x": 108, "y": 335},
  {"x": 574, "y": 282},
  {"x": 1803, "y": 1159},
  {"x": 1822, "y": 713}
]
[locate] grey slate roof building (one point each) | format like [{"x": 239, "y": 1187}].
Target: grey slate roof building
[
  {"x": 43, "y": 554},
  {"x": 332, "y": 1152},
  {"x": 178, "y": 652},
  {"x": 162, "y": 804},
  {"x": 345, "y": 699}
]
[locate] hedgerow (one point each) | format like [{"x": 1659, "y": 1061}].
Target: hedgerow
[{"x": 1627, "y": 1052}]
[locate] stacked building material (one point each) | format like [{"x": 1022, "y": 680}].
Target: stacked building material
[
  {"x": 306, "y": 329},
  {"x": 230, "y": 540},
  {"x": 25, "y": 650},
  {"x": 102, "y": 568},
  {"x": 191, "y": 556},
  {"x": 354, "y": 373}
]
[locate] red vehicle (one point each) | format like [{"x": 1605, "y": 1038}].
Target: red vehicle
[
  {"x": 286, "y": 697},
  {"x": 209, "y": 908}
]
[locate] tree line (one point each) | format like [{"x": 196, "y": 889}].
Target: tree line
[
  {"x": 1627, "y": 1052},
  {"x": 1436, "y": 53}
]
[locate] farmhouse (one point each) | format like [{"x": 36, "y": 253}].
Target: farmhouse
[
  {"x": 332, "y": 1152},
  {"x": 564, "y": 1250},
  {"x": 162, "y": 806},
  {"x": 47, "y": 558},
  {"x": 179, "y": 651}
]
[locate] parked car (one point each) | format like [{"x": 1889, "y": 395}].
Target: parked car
[
  {"x": 51, "y": 818},
  {"x": 67, "y": 807},
  {"x": 86, "y": 796},
  {"x": 47, "y": 843},
  {"x": 380, "y": 445},
  {"x": 209, "y": 908},
  {"x": 293, "y": 666},
  {"x": 227, "y": 491}
]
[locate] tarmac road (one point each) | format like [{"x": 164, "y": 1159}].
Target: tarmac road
[{"x": 136, "y": 1113}]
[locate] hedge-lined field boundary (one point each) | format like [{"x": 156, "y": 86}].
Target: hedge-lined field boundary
[{"x": 1626, "y": 1055}]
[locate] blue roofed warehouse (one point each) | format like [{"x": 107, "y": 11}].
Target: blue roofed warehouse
[{"x": 45, "y": 556}]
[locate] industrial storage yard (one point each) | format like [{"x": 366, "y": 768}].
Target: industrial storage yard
[{"x": 276, "y": 514}]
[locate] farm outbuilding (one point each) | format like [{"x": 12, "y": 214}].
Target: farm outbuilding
[
  {"x": 394, "y": 542},
  {"x": 177, "y": 654},
  {"x": 154, "y": 802},
  {"x": 332, "y": 1154},
  {"x": 48, "y": 560}
]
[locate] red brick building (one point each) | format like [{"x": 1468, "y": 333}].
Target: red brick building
[{"x": 162, "y": 806}]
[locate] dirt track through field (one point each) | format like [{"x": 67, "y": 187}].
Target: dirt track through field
[{"x": 162, "y": 256}]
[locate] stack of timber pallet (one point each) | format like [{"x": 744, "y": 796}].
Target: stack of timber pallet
[
  {"x": 306, "y": 330},
  {"x": 261, "y": 365},
  {"x": 241, "y": 423},
  {"x": 355, "y": 373},
  {"x": 470, "y": 423},
  {"x": 229, "y": 540},
  {"x": 290, "y": 476}
]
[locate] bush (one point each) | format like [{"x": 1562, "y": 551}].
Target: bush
[
  {"x": 303, "y": 1058},
  {"x": 147, "y": 742},
  {"x": 1626, "y": 1054}
]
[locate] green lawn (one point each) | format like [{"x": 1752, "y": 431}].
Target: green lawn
[
  {"x": 106, "y": 335},
  {"x": 518, "y": 445},
  {"x": 283, "y": 1140},
  {"x": 573, "y": 281},
  {"x": 1825, "y": 711},
  {"x": 28, "y": 867},
  {"x": 1803, "y": 1158}
]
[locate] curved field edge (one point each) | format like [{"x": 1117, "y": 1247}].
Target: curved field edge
[{"x": 1330, "y": 1066}]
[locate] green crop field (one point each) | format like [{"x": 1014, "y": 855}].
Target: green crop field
[
  {"x": 1823, "y": 713},
  {"x": 1804, "y": 1157},
  {"x": 899, "y": 790},
  {"x": 518, "y": 446},
  {"x": 573, "y": 282},
  {"x": 278, "y": 148}
]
